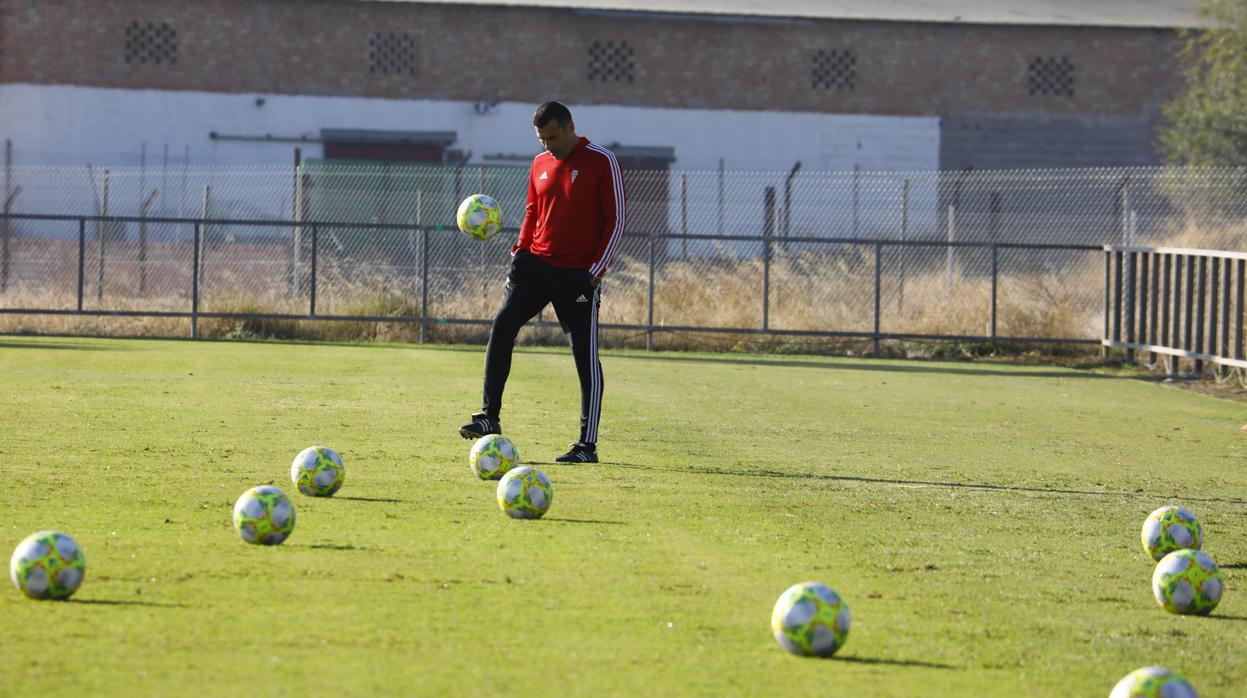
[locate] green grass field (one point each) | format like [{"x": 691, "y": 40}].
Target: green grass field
[{"x": 982, "y": 521}]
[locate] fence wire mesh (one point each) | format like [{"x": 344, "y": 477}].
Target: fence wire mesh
[{"x": 762, "y": 252}]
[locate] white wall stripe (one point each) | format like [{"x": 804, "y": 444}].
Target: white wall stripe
[{"x": 68, "y": 125}]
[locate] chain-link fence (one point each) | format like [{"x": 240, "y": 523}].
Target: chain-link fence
[{"x": 710, "y": 258}]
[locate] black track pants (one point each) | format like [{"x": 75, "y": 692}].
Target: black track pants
[{"x": 531, "y": 284}]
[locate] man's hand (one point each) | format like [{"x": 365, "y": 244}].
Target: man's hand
[{"x": 594, "y": 281}]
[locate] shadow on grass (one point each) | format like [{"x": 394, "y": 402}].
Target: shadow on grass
[
  {"x": 121, "y": 602},
  {"x": 335, "y": 546},
  {"x": 895, "y": 662},
  {"x": 917, "y": 483},
  {"x": 584, "y": 521},
  {"x": 1224, "y": 617},
  {"x": 856, "y": 364},
  {"x": 84, "y": 346},
  {"x": 385, "y": 500},
  {"x": 1234, "y": 566}
]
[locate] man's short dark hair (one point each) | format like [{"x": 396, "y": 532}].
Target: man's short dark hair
[{"x": 552, "y": 111}]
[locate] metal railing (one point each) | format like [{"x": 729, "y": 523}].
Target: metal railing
[
  {"x": 1178, "y": 303},
  {"x": 315, "y": 270}
]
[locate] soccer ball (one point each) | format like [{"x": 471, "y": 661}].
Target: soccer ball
[
  {"x": 1187, "y": 582},
  {"x": 1171, "y": 528},
  {"x": 492, "y": 456},
  {"x": 264, "y": 515},
  {"x": 525, "y": 493},
  {"x": 48, "y": 565},
  {"x": 479, "y": 217},
  {"x": 318, "y": 471},
  {"x": 810, "y": 620},
  {"x": 1153, "y": 682}
]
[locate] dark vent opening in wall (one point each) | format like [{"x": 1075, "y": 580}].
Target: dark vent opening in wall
[
  {"x": 833, "y": 70},
  {"x": 1051, "y": 76},
  {"x": 611, "y": 61},
  {"x": 392, "y": 53},
  {"x": 151, "y": 42}
]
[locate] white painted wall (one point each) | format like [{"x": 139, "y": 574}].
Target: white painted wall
[
  {"x": 65, "y": 125},
  {"x": 70, "y": 128}
]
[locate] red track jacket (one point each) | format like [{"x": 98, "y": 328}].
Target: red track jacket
[{"x": 574, "y": 217}]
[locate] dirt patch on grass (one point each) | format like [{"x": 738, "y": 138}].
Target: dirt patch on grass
[{"x": 1229, "y": 389}]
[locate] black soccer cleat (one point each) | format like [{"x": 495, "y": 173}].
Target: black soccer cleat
[
  {"x": 480, "y": 425},
  {"x": 579, "y": 453}
]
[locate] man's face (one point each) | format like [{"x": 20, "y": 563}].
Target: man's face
[{"x": 558, "y": 140}]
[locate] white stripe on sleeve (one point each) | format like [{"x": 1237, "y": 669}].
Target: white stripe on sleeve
[{"x": 616, "y": 234}]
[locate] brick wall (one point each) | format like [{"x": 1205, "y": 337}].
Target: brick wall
[{"x": 482, "y": 53}]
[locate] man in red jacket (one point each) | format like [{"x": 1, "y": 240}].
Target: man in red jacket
[{"x": 573, "y": 224}]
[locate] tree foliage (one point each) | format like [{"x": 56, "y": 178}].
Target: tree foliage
[{"x": 1208, "y": 122}]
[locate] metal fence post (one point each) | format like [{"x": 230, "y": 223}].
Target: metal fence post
[
  {"x": 878, "y": 295},
  {"x": 1143, "y": 281},
  {"x": 995, "y": 277},
  {"x": 312, "y": 280},
  {"x": 1108, "y": 255},
  {"x": 649, "y": 298},
  {"x": 768, "y": 232},
  {"x": 195, "y": 282},
  {"x": 6, "y": 234},
  {"x": 424, "y": 284},
  {"x": 1132, "y": 262},
  {"x": 82, "y": 257}
]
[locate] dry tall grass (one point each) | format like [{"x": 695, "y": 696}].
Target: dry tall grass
[{"x": 808, "y": 291}]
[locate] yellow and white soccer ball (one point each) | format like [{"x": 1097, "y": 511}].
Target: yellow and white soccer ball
[
  {"x": 264, "y": 515},
  {"x": 479, "y": 217},
  {"x": 810, "y": 620},
  {"x": 1187, "y": 582},
  {"x": 1153, "y": 682},
  {"x": 48, "y": 565},
  {"x": 525, "y": 493},
  {"x": 318, "y": 471},
  {"x": 492, "y": 456},
  {"x": 1171, "y": 528}
]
